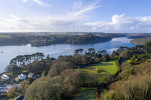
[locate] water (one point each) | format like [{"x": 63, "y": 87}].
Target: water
[{"x": 9, "y": 52}]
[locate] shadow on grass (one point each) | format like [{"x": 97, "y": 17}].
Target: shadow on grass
[
  {"x": 104, "y": 64},
  {"x": 86, "y": 94}
]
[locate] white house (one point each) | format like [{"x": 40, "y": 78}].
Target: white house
[
  {"x": 8, "y": 86},
  {"x": 3, "y": 89},
  {"x": 30, "y": 75},
  {"x": 5, "y": 77},
  {"x": 22, "y": 76}
]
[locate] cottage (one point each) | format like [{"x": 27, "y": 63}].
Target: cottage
[
  {"x": 31, "y": 75},
  {"x": 3, "y": 89},
  {"x": 5, "y": 77},
  {"x": 8, "y": 86},
  {"x": 22, "y": 76}
]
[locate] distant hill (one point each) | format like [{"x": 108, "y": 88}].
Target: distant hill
[
  {"x": 135, "y": 36},
  {"x": 141, "y": 41},
  {"x": 87, "y": 39},
  {"x": 6, "y": 40},
  {"x": 48, "y": 38}
]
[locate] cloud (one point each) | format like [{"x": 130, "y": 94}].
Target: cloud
[
  {"x": 71, "y": 21},
  {"x": 25, "y": 0},
  {"x": 39, "y": 2},
  {"x": 88, "y": 8},
  {"x": 77, "y": 5},
  {"x": 75, "y": 20},
  {"x": 74, "y": 23},
  {"x": 120, "y": 23}
]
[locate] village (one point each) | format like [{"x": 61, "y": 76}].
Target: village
[{"x": 5, "y": 80}]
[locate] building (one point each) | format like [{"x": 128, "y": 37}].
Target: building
[
  {"x": 31, "y": 75},
  {"x": 9, "y": 86},
  {"x": 3, "y": 89},
  {"x": 22, "y": 76},
  {"x": 5, "y": 77}
]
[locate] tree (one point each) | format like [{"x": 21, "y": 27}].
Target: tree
[
  {"x": 77, "y": 59},
  {"x": 147, "y": 47},
  {"x": 103, "y": 52},
  {"x": 91, "y": 50},
  {"x": 44, "y": 73},
  {"x": 48, "y": 57},
  {"x": 114, "y": 55},
  {"x": 55, "y": 88},
  {"x": 126, "y": 54},
  {"x": 11, "y": 92},
  {"x": 23, "y": 60},
  {"x": 38, "y": 67},
  {"x": 78, "y": 52},
  {"x": 58, "y": 67},
  {"x": 106, "y": 58},
  {"x": 122, "y": 49},
  {"x": 13, "y": 68}
]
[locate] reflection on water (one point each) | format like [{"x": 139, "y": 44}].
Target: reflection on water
[{"x": 9, "y": 52}]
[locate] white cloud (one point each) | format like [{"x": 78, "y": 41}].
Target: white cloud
[
  {"x": 39, "y": 2},
  {"x": 120, "y": 23},
  {"x": 75, "y": 20},
  {"x": 25, "y": 0},
  {"x": 71, "y": 21},
  {"x": 88, "y": 8},
  {"x": 77, "y": 5}
]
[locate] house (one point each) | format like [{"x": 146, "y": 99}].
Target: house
[
  {"x": 5, "y": 77},
  {"x": 8, "y": 86},
  {"x": 30, "y": 75},
  {"x": 3, "y": 89},
  {"x": 22, "y": 76}
]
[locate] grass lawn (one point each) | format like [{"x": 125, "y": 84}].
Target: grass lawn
[
  {"x": 91, "y": 76},
  {"x": 110, "y": 67},
  {"x": 86, "y": 94},
  {"x": 86, "y": 70}
]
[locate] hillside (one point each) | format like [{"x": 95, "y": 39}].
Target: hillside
[
  {"x": 6, "y": 40},
  {"x": 48, "y": 38},
  {"x": 90, "y": 76},
  {"x": 87, "y": 39},
  {"x": 141, "y": 41},
  {"x": 138, "y": 35}
]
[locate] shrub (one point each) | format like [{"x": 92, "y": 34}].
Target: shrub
[
  {"x": 136, "y": 86},
  {"x": 11, "y": 92}
]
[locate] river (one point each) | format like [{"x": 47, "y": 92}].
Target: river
[{"x": 9, "y": 52}]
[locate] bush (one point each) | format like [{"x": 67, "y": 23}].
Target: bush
[
  {"x": 109, "y": 96},
  {"x": 136, "y": 86},
  {"x": 55, "y": 88},
  {"x": 11, "y": 92}
]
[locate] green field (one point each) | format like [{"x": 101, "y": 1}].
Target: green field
[
  {"x": 5, "y": 37},
  {"x": 110, "y": 67},
  {"x": 92, "y": 76},
  {"x": 86, "y": 94}
]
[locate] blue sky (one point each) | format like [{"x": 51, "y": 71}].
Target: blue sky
[{"x": 75, "y": 16}]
